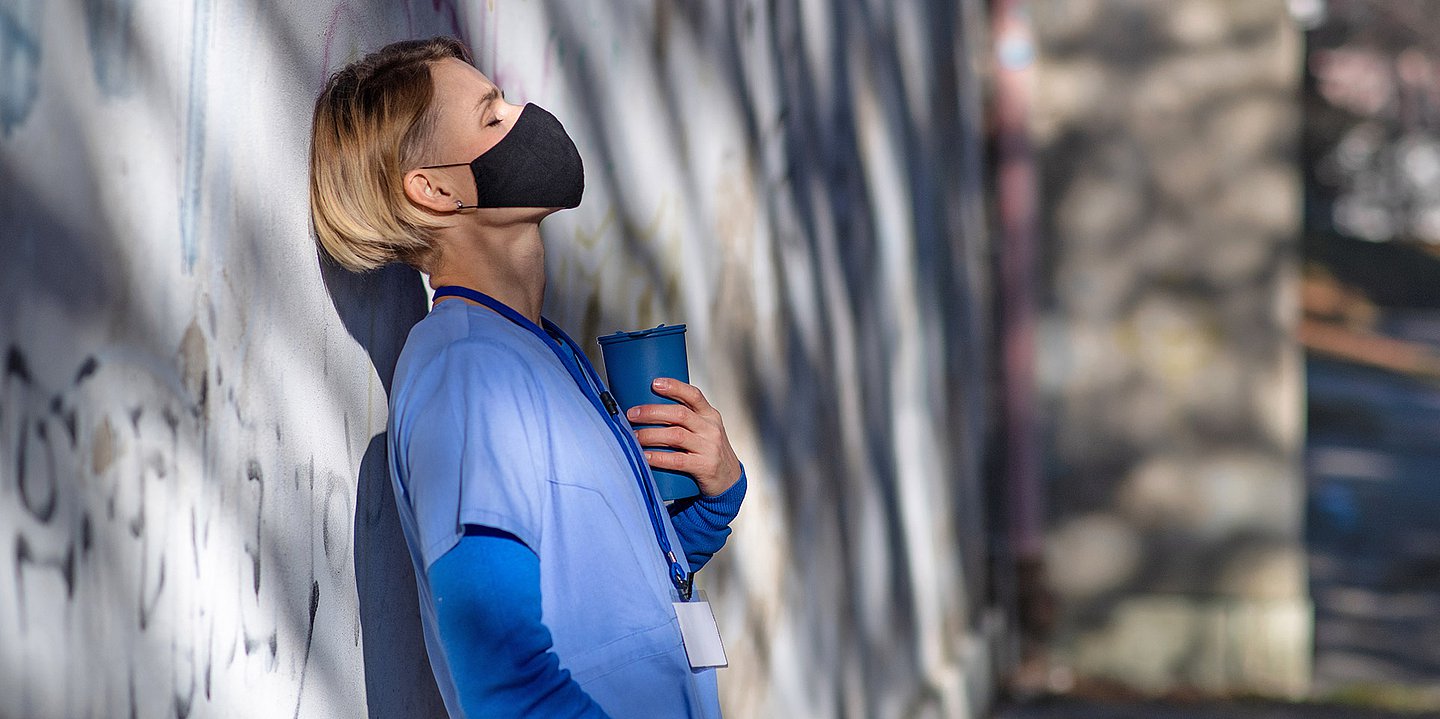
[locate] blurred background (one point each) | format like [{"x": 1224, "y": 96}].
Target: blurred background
[
  {"x": 1084, "y": 354},
  {"x": 1212, "y": 197}
]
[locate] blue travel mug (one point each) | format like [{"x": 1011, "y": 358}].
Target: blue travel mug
[{"x": 632, "y": 361}]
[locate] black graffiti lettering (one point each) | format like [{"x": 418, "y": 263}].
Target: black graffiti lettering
[
  {"x": 39, "y": 491},
  {"x": 309, "y": 640},
  {"x": 87, "y": 369},
  {"x": 253, "y": 474},
  {"x": 16, "y": 367},
  {"x": 87, "y": 534},
  {"x": 27, "y": 556},
  {"x": 147, "y": 608}
]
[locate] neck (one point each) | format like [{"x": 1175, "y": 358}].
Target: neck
[{"x": 507, "y": 263}]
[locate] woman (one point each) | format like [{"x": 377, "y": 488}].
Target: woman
[{"x": 547, "y": 568}]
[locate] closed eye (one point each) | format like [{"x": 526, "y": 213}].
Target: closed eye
[
  {"x": 497, "y": 119},
  {"x": 487, "y": 102}
]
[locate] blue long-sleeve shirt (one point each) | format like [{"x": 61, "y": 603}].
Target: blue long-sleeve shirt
[{"x": 487, "y": 600}]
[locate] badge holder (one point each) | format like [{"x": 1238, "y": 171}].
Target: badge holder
[{"x": 701, "y": 634}]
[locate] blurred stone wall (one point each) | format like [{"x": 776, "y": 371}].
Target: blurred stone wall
[
  {"x": 1166, "y": 136},
  {"x": 194, "y": 513}
]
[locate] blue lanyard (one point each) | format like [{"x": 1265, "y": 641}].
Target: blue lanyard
[{"x": 580, "y": 369}]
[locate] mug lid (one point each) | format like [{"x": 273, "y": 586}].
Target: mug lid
[{"x": 658, "y": 331}]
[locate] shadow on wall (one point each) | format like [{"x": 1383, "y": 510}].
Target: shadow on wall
[
  {"x": 378, "y": 309},
  {"x": 865, "y": 262}
]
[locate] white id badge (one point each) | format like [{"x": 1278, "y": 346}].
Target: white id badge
[{"x": 701, "y": 634}]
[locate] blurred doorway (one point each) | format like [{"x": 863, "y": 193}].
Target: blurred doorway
[{"x": 1371, "y": 330}]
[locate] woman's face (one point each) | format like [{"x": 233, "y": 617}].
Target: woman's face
[{"x": 471, "y": 117}]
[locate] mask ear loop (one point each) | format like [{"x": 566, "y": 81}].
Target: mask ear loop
[{"x": 459, "y": 204}]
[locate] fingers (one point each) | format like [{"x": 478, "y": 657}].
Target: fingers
[
  {"x": 676, "y": 414},
  {"x": 694, "y": 430},
  {"x": 673, "y": 461},
  {"x": 701, "y": 467},
  {"x": 708, "y": 471},
  {"x": 672, "y": 437},
  {"x": 684, "y": 393}
]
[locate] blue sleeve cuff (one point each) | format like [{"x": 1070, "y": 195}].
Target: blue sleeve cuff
[
  {"x": 727, "y": 503},
  {"x": 703, "y": 525}
]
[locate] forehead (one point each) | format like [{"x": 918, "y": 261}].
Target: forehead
[{"x": 458, "y": 85}]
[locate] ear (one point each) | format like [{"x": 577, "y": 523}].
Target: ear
[{"x": 436, "y": 189}]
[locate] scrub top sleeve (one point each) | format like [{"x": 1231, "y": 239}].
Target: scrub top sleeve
[{"x": 476, "y": 446}]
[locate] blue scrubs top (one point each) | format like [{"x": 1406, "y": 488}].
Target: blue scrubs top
[{"x": 488, "y": 428}]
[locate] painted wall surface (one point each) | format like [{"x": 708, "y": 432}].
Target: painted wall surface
[
  {"x": 195, "y": 518},
  {"x": 1167, "y": 137}
]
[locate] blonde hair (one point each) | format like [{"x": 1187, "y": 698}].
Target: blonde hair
[{"x": 373, "y": 121}]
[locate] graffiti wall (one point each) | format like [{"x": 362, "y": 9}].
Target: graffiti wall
[{"x": 194, "y": 514}]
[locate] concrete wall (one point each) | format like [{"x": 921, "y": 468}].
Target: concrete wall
[
  {"x": 194, "y": 514},
  {"x": 1167, "y": 135}
]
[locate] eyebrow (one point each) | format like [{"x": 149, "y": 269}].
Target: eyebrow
[{"x": 486, "y": 99}]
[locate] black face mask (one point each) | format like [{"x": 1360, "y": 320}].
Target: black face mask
[{"x": 534, "y": 165}]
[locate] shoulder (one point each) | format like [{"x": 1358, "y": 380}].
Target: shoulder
[{"x": 457, "y": 342}]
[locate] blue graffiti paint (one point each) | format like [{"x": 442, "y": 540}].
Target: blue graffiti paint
[
  {"x": 112, "y": 40},
  {"x": 193, "y": 169},
  {"x": 19, "y": 61}
]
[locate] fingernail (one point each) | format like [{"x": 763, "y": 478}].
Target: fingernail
[
  {"x": 633, "y": 413},
  {"x": 661, "y": 383}
]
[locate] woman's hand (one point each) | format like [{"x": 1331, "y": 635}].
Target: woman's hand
[{"x": 695, "y": 429}]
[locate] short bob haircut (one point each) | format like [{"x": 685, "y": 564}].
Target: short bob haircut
[{"x": 372, "y": 124}]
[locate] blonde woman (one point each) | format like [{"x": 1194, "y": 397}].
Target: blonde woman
[{"x": 550, "y": 574}]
